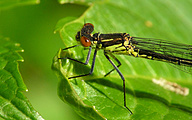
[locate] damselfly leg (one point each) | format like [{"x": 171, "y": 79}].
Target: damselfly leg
[
  {"x": 93, "y": 64},
  {"x": 88, "y": 56},
  {"x": 120, "y": 74},
  {"x": 119, "y": 64},
  {"x": 86, "y": 62}
]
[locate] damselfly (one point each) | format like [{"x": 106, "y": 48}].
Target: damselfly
[{"x": 122, "y": 43}]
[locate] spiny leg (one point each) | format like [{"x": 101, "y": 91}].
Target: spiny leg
[
  {"x": 86, "y": 62},
  {"x": 88, "y": 55},
  {"x": 122, "y": 77},
  {"x": 119, "y": 64},
  {"x": 70, "y": 47},
  {"x": 92, "y": 67}
]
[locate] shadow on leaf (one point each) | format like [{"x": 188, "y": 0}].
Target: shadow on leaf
[{"x": 138, "y": 94}]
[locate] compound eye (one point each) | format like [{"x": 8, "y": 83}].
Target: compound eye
[
  {"x": 85, "y": 41},
  {"x": 88, "y": 28}
]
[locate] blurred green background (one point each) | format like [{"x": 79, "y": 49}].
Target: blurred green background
[{"x": 32, "y": 26}]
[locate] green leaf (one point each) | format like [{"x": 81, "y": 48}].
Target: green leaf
[
  {"x": 14, "y": 105},
  {"x": 62, "y": 22},
  {"x": 99, "y": 97},
  {"x": 11, "y": 3}
]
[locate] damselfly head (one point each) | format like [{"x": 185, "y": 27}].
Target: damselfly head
[{"x": 84, "y": 35}]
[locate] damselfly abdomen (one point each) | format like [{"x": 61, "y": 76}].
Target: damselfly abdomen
[{"x": 122, "y": 43}]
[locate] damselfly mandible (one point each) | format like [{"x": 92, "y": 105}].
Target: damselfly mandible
[{"x": 122, "y": 43}]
